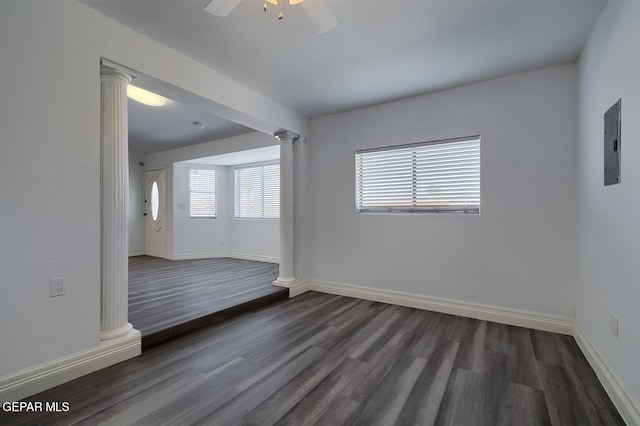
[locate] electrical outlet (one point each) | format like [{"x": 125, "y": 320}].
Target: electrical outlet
[
  {"x": 613, "y": 325},
  {"x": 57, "y": 287}
]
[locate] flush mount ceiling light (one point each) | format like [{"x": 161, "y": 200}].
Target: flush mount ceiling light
[
  {"x": 316, "y": 10},
  {"x": 145, "y": 97}
]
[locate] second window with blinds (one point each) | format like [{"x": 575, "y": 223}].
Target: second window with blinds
[{"x": 257, "y": 191}]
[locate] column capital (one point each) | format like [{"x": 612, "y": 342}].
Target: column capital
[
  {"x": 286, "y": 135},
  {"x": 110, "y": 68}
]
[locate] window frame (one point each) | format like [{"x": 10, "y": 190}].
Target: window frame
[
  {"x": 260, "y": 165},
  {"x": 213, "y": 192},
  {"x": 414, "y": 177}
]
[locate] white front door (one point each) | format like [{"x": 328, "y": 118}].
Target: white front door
[{"x": 155, "y": 234}]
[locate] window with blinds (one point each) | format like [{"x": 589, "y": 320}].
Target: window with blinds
[
  {"x": 202, "y": 193},
  {"x": 431, "y": 177},
  {"x": 258, "y": 191}
]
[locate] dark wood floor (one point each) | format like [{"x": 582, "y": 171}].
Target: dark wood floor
[
  {"x": 170, "y": 297},
  {"x": 323, "y": 359}
]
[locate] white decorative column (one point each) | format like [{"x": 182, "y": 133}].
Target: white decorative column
[
  {"x": 114, "y": 142},
  {"x": 287, "y": 274}
]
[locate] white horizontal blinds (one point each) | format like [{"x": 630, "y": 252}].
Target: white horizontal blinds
[
  {"x": 271, "y": 194},
  {"x": 202, "y": 193},
  {"x": 258, "y": 192},
  {"x": 442, "y": 176},
  {"x": 384, "y": 180},
  {"x": 248, "y": 193}
]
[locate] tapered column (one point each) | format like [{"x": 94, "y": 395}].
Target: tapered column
[
  {"x": 115, "y": 195},
  {"x": 287, "y": 274}
]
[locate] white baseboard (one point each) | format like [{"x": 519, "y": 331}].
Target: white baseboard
[
  {"x": 256, "y": 257},
  {"x": 535, "y": 320},
  {"x": 189, "y": 256},
  {"x": 136, "y": 253},
  {"x": 299, "y": 287},
  {"x": 295, "y": 288},
  {"x": 31, "y": 381},
  {"x": 620, "y": 395}
]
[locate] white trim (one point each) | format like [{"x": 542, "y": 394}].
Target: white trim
[
  {"x": 108, "y": 63},
  {"x": 521, "y": 318},
  {"x": 136, "y": 253},
  {"x": 620, "y": 395},
  {"x": 188, "y": 256},
  {"x": 31, "y": 381},
  {"x": 269, "y": 259},
  {"x": 298, "y": 287}
]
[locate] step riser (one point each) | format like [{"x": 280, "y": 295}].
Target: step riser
[{"x": 162, "y": 336}]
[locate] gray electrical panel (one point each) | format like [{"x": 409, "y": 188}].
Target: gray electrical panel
[{"x": 612, "y": 146}]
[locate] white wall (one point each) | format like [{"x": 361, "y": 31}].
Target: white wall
[
  {"x": 50, "y": 164},
  {"x": 134, "y": 219},
  {"x": 50, "y": 174},
  {"x": 257, "y": 239},
  {"x": 609, "y": 226},
  {"x": 519, "y": 253},
  {"x": 195, "y": 238}
]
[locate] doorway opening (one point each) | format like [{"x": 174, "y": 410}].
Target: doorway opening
[{"x": 184, "y": 273}]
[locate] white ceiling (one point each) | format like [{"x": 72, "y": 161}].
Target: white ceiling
[
  {"x": 381, "y": 50},
  {"x": 153, "y": 129}
]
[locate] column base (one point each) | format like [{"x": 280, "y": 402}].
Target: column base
[
  {"x": 31, "y": 381},
  {"x": 285, "y": 281},
  {"x": 116, "y": 332}
]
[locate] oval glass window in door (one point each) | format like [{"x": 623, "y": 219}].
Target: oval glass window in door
[{"x": 155, "y": 201}]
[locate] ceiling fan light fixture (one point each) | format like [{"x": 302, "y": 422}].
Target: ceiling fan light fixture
[
  {"x": 145, "y": 97},
  {"x": 317, "y": 11},
  {"x": 273, "y": 2}
]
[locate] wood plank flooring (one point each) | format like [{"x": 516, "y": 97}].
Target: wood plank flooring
[
  {"x": 172, "y": 297},
  {"x": 332, "y": 360}
]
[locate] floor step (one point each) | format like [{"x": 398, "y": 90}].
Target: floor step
[{"x": 162, "y": 336}]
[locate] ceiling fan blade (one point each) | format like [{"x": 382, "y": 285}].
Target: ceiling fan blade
[
  {"x": 320, "y": 15},
  {"x": 221, "y": 7}
]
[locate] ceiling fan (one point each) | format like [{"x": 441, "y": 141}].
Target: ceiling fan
[{"x": 316, "y": 10}]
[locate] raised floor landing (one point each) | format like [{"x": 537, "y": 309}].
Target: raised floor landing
[{"x": 169, "y": 298}]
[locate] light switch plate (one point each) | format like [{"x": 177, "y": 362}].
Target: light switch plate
[{"x": 613, "y": 325}]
